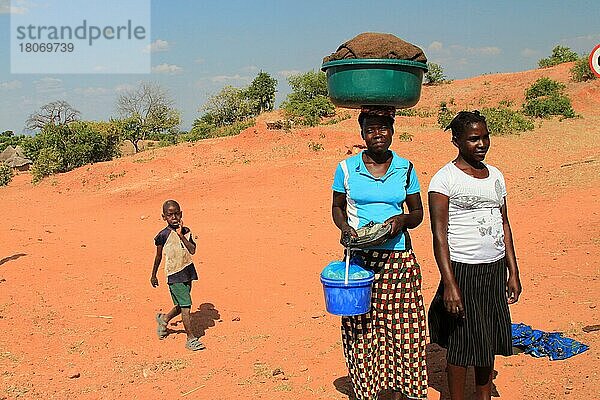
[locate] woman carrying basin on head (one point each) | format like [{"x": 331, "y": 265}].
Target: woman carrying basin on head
[{"x": 385, "y": 348}]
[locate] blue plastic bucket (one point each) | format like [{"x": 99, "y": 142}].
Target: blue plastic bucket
[{"x": 349, "y": 299}]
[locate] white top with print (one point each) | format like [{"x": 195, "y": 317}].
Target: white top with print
[{"x": 475, "y": 232}]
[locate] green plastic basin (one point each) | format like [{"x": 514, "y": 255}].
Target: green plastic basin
[{"x": 357, "y": 82}]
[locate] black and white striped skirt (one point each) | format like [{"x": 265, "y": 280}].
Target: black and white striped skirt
[{"x": 486, "y": 329}]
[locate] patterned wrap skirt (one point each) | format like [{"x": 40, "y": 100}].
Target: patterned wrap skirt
[
  {"x": 486, "y": 329},
  {"x": 385, "y": 348}
]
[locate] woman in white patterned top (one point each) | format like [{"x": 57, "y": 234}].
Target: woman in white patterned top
[{"x": 474, "y": 251}]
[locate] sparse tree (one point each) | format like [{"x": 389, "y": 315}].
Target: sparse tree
[
  {"x": 261, "y": 93},
  {"x": 130, "y": 129},
  {"x": 228, "y": 106},
  {"x": 581, "y": 71},
  {"x": 147, "y": 109},
  {"x": 434, "y": 74},
  {"x": 308, "y": 102},
  {"x": 560, "y": 54},
  {"x": 57, "y": 112}
]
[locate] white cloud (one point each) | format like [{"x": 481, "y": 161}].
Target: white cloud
[
  {"x": 250, "y": 68},
  {"x": 157, "y": 46},
  {"x": 169, "y": 69},
  {"x": 435, "y": 46},
  {"x": 10, "y": 85},
  {"x": 485, "y": 51},
  {"x": 92, "y": 91},
  {"x": 199, "y": 60},
  {"x": 230, "y": 78},
  {"x": 593, "y": 36},
  {"x": 583, "y": 44},
  {"x": 123, "y": 88},
  {"x": 220, "y": 80},
  {"x": 7, "y": 8},
  {"x": 289, "y": 72},
  {"x": 529, "y": 53},
  {"x": 48, "y": 85},
  {"x": 458, "y": 50}
]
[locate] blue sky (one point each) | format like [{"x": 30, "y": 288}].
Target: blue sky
[{"x": 199, "y": 46}]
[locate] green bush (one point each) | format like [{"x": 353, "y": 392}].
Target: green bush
[
  {"x": 49, "y": 162},
  {"x": 6, "y": 174},
  {"x": 8, "y": 138},
  {"x": 165, "y": 139},
  {"x": 234, "y": 129},
  {"x": 435, "y": 74},
  {"x": 560, "y": 54},
  {"x": 342, "y": 116},
  {"x": 445, "y": 115},
  {"x": 308, "y": 102},
  {"x": 543, "y": 107},
  {"x": 503, "y": 121},
  {"x": 61, "y": 148},
  {"x": 315, "y": 146},
  {"x": 500, "y": 120},
  {"x": 544, "y": 87},
  {"x": 207, "y": 131},
  {"x": 404, "y": 136},
  {"x": 200, "y": 130},
  {"x": 581, "y": 71},
  {"x": 414, "y": 112},
  {"x": 309, "y": 112},
  {"x": 545, "y": 97}
]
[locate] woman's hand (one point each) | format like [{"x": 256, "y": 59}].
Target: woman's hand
[
  {"x": 453, "y": 301},
  {"x": 398, "y": 223},
  {"x": 347, "y": 233},
  {"x": 513, "y": 288},
  {"x": 410, "y": 220}
]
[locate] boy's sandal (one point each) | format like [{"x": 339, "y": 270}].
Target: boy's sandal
[
  {"x": 194, "y": 344},
  {"x": 161, "y": 326}
]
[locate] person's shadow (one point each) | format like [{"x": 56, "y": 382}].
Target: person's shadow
[
  {"x": 436, "y": 375},
  {"x": 203, "y": 318}
]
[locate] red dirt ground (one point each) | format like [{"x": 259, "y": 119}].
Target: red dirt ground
[{"x": 77, "y": 251}]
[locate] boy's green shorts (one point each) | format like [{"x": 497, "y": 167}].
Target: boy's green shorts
[{"x": 181, "y": 294}]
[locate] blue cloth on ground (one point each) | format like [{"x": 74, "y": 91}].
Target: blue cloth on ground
[
  {"x": 336, "y": 270},
  {"x": 539, "y": 343}
]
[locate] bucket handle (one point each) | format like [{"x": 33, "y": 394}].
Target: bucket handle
[{"x": 346, "y": 275}]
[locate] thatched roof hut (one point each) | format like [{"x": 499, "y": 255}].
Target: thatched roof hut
[{"x": 15, "y": 158}]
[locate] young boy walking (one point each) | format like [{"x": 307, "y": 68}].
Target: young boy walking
[{"x": 177, "y": 244}]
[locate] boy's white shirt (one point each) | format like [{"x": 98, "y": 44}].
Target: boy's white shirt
[{"x": 176, "y": 255}]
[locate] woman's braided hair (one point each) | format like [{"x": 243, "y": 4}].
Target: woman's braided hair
[{"x": 462, "y": 120}]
